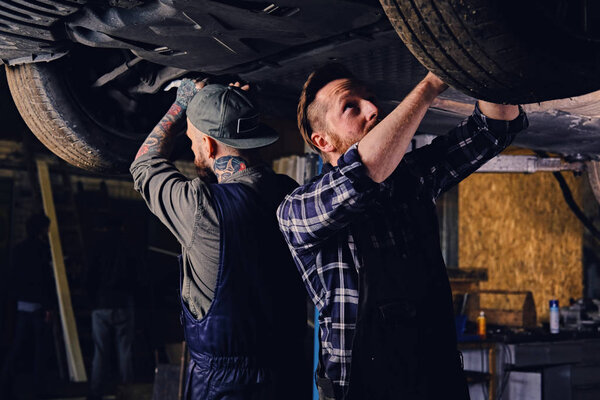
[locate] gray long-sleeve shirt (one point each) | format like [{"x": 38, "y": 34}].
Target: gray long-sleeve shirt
[{"x": 186, "y": 208}]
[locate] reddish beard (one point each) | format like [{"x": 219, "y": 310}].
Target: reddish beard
[{"x": 342, "y": 144}]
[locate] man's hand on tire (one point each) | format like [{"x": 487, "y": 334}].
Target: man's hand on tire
[
  {"x": 189, "y": 87},
  {"x": 187, "y": 90},
  {"x": 435, "y": 82},
  {"x": 245, "y": 86}
]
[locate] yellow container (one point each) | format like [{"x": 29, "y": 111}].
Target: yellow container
[{"x": 481, "y": 325}]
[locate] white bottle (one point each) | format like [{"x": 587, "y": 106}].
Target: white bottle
[{"x": 554, "y": 316}]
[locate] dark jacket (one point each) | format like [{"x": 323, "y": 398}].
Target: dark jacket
[
  {"x": 112, "y": 273},
  {"x": 31, "y": 277}
]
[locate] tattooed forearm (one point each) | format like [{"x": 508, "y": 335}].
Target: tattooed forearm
[
  {"x": 160, "y": 140},
  {"x": 226, "y": 166}
]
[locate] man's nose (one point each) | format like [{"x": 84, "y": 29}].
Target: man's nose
[{"x": 371, "y": 110}]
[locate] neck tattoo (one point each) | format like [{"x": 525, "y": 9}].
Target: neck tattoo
[{"x": 226, "y": 166}]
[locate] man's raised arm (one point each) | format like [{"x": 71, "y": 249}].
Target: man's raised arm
[
  {"x": 167, "y": 192},
  {"x": 452, "y": 157},
  {"x": 382, "y": 149}
]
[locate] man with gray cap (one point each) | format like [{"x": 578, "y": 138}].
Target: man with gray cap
[{"x": 243, "y": 305}]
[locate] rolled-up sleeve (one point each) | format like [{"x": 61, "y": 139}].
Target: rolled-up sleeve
[
  {"x": 452, "y": 157},
  {"x": 314, "y": 212},
  {"x": 169, "y": 194}
]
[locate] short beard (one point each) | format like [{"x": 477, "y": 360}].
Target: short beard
[
  {"x": 342, "y": 144},
  {"x": 206, "y": 175},
  {"x": 204, "y": 172}
]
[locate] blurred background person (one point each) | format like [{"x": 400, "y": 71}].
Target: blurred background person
[
  {"x": 111, "y": 282},
  {"x": 32, "y": 285}
]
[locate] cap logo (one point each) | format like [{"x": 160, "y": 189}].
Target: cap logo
[{"x": 247, "y": 124}]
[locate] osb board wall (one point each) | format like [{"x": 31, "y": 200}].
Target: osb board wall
[{"x": 519, "y": 227}]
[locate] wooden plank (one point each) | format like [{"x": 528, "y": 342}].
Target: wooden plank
[{"x": 73, "y": 349}]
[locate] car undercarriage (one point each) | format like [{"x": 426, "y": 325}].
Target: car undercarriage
[{"x": 99, "y": 68}]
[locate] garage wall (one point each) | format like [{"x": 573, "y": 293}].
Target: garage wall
[{"x": 519, "y": 228}]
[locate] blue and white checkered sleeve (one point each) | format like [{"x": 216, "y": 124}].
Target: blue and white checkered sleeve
[
  {"x": 314, "y": 212},
  {"x": 452, "y": 157}
]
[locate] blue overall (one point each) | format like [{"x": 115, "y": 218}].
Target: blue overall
[{"x": 249, "y": 345}]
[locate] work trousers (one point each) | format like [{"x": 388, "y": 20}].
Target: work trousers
[
  {"x": 108, "y": 326},
  {"x": 31, "y": 330}
]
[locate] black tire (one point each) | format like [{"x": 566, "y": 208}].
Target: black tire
[
  {"x": 77, "y": 123},
  {"x": 502, "y": 51},
  {"x": 51, "y": 114}
]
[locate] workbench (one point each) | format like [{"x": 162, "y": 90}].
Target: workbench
[{"x": 533, "y": 366}]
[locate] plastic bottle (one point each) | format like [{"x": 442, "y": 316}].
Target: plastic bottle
[
  {"x": 554, "y": 316},
  {"x": 481, "y": 325}
]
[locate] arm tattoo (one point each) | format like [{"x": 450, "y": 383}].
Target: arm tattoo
[
  {"x": 160, "y": 140},
  {"x": 226, "y": 166}
]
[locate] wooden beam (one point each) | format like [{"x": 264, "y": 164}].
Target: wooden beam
[{"x": 69, "y": 327}]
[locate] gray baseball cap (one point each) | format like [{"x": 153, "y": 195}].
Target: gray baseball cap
[{"x": 228, "y": 115}]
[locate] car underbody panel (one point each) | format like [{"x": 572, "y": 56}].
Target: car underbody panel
[
  {"x": 274, "y": 46},
  {"x": 221, "y": 36},
  {"x": 30, "y": 31}
]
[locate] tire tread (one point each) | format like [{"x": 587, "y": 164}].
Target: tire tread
[
  {"x": 40, "y": 112},
  {"x": 474, "y": 47}
]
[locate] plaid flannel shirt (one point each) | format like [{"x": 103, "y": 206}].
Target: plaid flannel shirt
[{"x": 318, "y": 219}]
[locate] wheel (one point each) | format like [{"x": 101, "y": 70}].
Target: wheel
[
  {"x": 506, "y": 51},
  {"x": 97, "y": 129}
]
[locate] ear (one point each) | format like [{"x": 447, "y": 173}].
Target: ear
[
  {"x": 210, "y": 145},
  {"x": 320, "y": 141}
]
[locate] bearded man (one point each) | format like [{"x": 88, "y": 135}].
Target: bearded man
[
  {"x": 364, "y": 235},
  {"x": 244, "y": 310}
]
